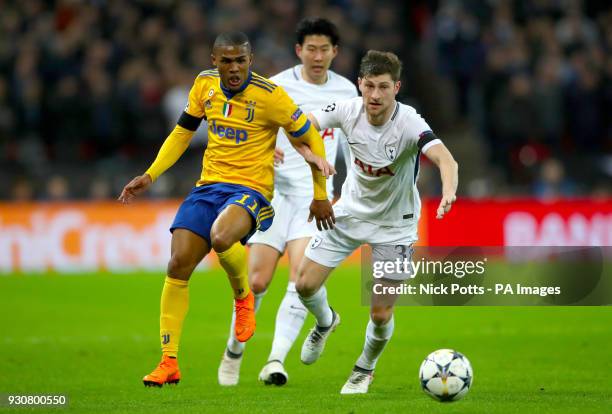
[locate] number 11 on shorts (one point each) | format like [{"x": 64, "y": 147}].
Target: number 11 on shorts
[{"x": 243, "y": 200}]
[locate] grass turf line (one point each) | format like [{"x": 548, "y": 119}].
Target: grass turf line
[{"x": 94, "y": 337}]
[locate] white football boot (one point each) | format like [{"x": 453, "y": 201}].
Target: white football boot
[
  {"x": 358, "y": 383},
  {"x": 274, "y": 373},
  {"x": 315, "y": 341},
  {"x": 229, "y": 370}
]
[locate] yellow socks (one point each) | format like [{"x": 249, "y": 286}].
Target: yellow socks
[
  {"x": 175, "y": 297},
  {"x": 234, "y": 262},
  {"x": 174, "y": 305}
]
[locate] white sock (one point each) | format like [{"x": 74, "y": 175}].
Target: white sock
[
  {"x": 375, "y": 341},
  {"x": 258, "y": 299},
  {"x": 233, "y": 345},
  {"x": 318, "y": 306},
  {"x": 289, "y": 321}
]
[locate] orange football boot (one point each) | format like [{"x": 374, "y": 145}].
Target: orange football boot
[
  {"x": 244, "y": 327},
  {"x": 167, "y": 372}
]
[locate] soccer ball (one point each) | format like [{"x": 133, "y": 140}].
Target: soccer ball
[{"x": 446, "y": 375}]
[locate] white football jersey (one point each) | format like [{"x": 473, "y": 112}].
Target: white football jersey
[
  {"x": 293, "y": 177},
  {"x": 380, "y": 186}
]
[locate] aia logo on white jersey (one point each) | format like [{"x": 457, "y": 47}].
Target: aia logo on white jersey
[
  {"x": 369, "y": 170},
  {"x": 327, "y": 133},
  {"x": 391, "y": 151}
]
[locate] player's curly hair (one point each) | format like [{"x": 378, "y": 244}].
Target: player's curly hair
[
  {"x": 376, "y": 63},
  {"x": 317, "y": 26}
]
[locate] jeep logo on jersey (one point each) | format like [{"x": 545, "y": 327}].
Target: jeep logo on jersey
[
  {"x": 368, "y": 169},
  {"x": 240, "y": 135},
  {"x": 391, "y": 152}
]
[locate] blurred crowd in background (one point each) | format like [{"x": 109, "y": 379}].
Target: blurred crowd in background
[{"x": 89, "y": 89}]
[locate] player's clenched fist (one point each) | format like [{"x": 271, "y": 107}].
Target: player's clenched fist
[
  {"x": 135, "y": 187},
  {"x": 323, "y": 212}
]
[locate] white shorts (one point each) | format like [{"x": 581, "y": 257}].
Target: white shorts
[
  {"x": 290, "y": 222},
  {"x": 330, "y": 247}
]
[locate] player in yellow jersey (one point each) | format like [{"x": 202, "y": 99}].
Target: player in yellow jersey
[{"x": 231, "y": 200}]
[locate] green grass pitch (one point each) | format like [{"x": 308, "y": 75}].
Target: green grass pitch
[{"x": 93, "y": 338}]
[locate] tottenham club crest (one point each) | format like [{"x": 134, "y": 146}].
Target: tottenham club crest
[
  {"x": 315, "y": 242},
  {"x": 391, "y": 152}
]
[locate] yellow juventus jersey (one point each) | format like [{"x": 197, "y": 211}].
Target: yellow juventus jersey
[{"x": 242, "y": 128}]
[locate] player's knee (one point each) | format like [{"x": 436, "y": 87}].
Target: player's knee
[
  {"x": 381, "y": 315},
  {"x": 305, "y": 288},
  {"x": 180, "y": 267},
  {"x": 221, "y": 241},
  {"x": 259, "y": 283},
  {"x": 302, "y": 285}
]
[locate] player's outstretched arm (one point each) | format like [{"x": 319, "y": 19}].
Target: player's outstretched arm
[
  {"x": 135, "y": 187},
  {"x": 316, "y": 162},
  {"x": 173, "y": 147},
  {"x": 449, "y": 174},
  {"x": 303, "y": 148},
  {"x": 302, "y": 131},
  {"x": 320, "y": 208}
]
